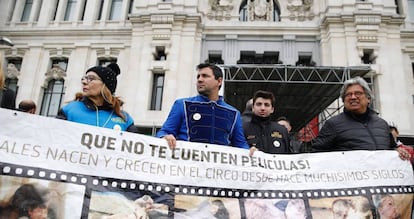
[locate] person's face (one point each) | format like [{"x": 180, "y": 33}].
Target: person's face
[
  {"x": 92, "y": 85},
  {"x": 388, "y": 208},
  {"x": 214, "y": 208},
  {"x": 38, "y": 213},
  {"x": 340, "y": 211},
  {"x": 295, "y": 209},
  {"x": 285, "y": 124},
  {"x": 262, "y": 107},
  {"x": 206, "y": 83},
  {"x": 355, "y": 100}
]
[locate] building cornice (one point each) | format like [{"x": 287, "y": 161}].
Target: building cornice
[
  {"x": 164, "y": 17},
  {"x": 67, "y": 32},
  {"x": 362, "y": 18}
]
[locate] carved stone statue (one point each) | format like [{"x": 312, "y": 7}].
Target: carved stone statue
[
  {"x": 220, "y": 9},
  {"x": 300, "y": 9},
  {"x": 260, "y": 10},
  {"x": 56, "y": 73},
  {"x": 12, "y": 71}
]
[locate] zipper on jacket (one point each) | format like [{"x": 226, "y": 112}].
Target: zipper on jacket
[{"x": 370, "y": 134}]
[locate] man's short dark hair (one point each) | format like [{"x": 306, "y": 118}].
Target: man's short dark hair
[
  {"x": 265, "y": 95},
  {"x": 282, "y": 118},
  {"x": 26, "y": 105},
  {"x": 216, "y": 70}
]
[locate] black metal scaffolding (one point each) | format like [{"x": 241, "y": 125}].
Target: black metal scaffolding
[{"x": 301, "y": 92}]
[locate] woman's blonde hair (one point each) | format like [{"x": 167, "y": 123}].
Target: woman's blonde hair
[
  {"x": 114, "y": 102},
  {"x": 2, "y": 78}
]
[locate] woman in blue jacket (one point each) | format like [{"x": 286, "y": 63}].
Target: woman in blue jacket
[{"x": 99, "y": 106}]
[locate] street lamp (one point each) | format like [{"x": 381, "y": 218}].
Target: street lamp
[{"x": 6, "y": 41}]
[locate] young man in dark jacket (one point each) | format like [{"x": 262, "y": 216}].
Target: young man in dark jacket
[{"x": 261, "y": 132}]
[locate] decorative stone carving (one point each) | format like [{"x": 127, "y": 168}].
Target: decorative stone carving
[
  {"x": 162, "y": 19},
  {"x": 367, "y": 20},
  {"x": 60, "y": 52},
  {"x": 14, "y": 52},
  {"x": 220, "y": 9},
  {"x": 12, "y": 71},
  {"x": 367, "y": 38},
  {"x": 260, "y": 10},
  {"x": 56, "y": 73},
  {"x": 107, "y": 52},
  {"x": 300, "y": 10},
  {"x": 158, "y": 36}
]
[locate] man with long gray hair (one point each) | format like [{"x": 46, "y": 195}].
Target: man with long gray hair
[{"x": 358, "y": 127}]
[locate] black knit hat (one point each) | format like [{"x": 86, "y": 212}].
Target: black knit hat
[{"x": 108, "y": 75}]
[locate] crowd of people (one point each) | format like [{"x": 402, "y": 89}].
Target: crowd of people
[
  {"x": 207, "y": 118},
  {"x": 358, "y": 127}
]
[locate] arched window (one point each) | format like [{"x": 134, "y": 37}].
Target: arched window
[
  {"x": 276, "y": 12},
  {"x": 243, "y": 13},
  {"x": 52, "y": 97}
]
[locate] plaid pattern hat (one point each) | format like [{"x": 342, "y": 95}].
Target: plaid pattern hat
[{"x": 108, "y": 75}]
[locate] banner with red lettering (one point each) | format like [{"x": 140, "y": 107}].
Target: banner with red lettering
[{"x": 59, "y": 169}]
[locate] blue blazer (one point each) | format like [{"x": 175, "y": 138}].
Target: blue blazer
[{"x": 198, "y": 119}]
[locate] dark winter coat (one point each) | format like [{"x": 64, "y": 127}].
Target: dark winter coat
[
  {"x": 8, "y": 99},
  {"x": 267, "y": 136},
  {"x": 348, "y": 131}
]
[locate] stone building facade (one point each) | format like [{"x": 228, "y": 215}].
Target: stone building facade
[{"x": 158, "y": 43}]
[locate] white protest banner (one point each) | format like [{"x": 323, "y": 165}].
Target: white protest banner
[{"x": 81, "y": 171}]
